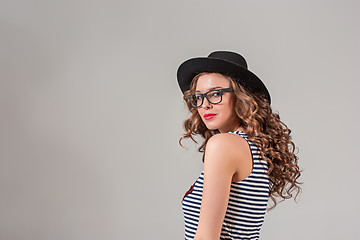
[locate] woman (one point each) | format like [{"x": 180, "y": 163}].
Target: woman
[{"x": 248, "y": 153}]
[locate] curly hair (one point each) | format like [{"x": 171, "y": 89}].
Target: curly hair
[{"x": 263, "y": 128}]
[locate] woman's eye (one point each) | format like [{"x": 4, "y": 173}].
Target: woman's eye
[
  {"x": 215, "y": 94},
  {"x": 198, "y": 97}
]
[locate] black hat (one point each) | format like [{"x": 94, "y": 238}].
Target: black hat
[{"x": 228, "y": 63}]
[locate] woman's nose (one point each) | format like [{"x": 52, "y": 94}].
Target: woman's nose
[{"x": 206, "y": 104}]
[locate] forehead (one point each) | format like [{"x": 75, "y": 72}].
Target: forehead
[{"x": 208, "y": 81}]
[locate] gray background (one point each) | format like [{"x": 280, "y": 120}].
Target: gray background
[{"x": 91, "y": 112}]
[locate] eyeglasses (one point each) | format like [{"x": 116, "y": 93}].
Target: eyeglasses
[{"x": 213, "y": 96}]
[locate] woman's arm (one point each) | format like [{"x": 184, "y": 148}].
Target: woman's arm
[{"x": 222, "y": 158}]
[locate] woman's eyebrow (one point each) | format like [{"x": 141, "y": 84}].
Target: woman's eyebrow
[{"x": 210, "y": 89}]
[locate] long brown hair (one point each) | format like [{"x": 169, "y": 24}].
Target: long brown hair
[{"x": 263, "y": 128}]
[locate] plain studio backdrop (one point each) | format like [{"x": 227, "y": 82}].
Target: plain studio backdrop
[{"x": 91, "y": 112}]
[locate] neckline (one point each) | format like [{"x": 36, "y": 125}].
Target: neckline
[{"x": 239, "y": 131}]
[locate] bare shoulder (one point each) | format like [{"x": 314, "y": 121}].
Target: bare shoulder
[
  {"x": 228, "y": 146},
  {"x": 228, "y": 153},
  {"x": 227, "y": 141}
]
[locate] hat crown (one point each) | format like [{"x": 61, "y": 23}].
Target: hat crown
[{"x": 230, "y": 57}]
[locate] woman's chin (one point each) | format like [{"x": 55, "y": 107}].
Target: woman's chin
[{"x": 211, "y": 126}]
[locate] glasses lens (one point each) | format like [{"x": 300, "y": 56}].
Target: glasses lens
[
  {"x": 214, "y": 96},
  {"x": 196, "y": 100}
]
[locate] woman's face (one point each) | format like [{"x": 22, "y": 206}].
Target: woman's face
[{"x": 224, "y": 118}]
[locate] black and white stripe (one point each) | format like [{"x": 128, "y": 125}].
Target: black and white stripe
[{"x": 247, "y": 202}]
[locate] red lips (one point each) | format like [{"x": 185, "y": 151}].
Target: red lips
[{"x": 209, "y": 116}]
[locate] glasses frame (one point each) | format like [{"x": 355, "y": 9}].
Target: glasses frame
[{"x": 204, "y": 95}]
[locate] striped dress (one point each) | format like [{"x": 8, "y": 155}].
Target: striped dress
[{"x": 247, "y": 202}]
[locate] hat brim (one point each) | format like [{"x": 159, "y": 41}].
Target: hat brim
[{"x": 190, "y": 68}]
